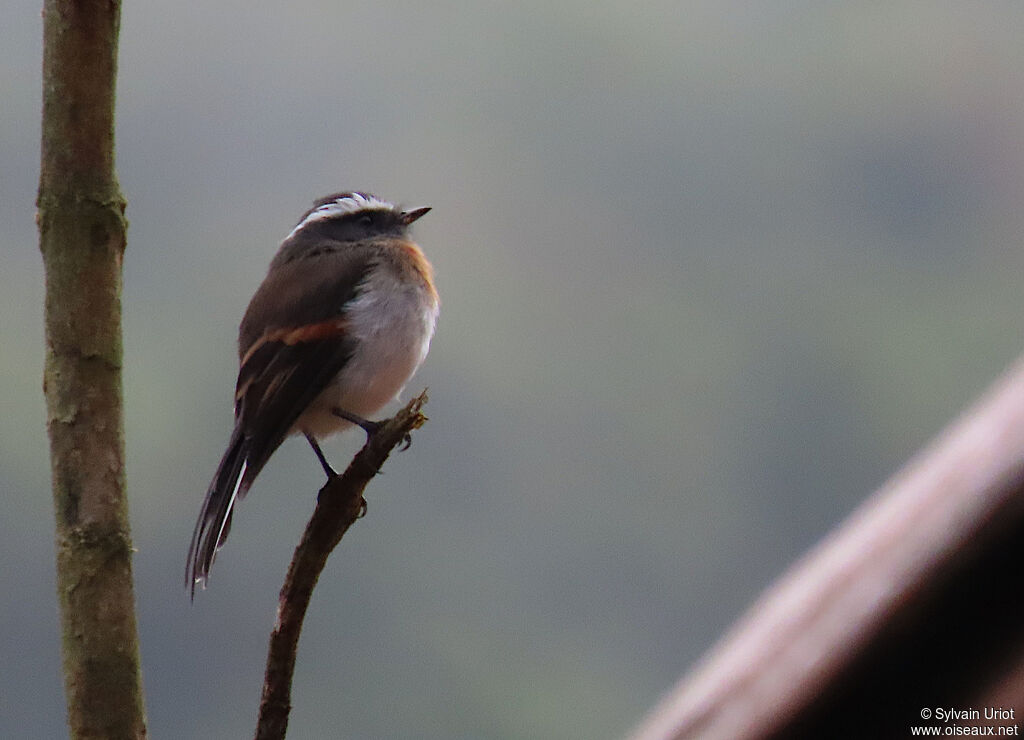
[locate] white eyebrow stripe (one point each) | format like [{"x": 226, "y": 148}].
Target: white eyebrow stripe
[{"x": 349, "y": 204}]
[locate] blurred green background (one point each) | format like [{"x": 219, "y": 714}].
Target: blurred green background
[{"x": 710, "y": 272}]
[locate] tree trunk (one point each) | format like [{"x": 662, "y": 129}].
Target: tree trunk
[{"x": 82, "y": 239}]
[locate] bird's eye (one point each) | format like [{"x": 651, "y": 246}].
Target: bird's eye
[{"x": 366, "y": 220}]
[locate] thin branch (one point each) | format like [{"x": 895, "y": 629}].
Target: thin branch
[
  {"x": 915, "y": 602},
  {"x": 82, "y": 240},
  {"x": 338, "y": 506}
]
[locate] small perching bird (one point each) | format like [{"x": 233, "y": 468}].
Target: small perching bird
[{"x": 339, "y": 325}]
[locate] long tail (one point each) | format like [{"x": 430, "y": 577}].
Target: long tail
[{"x": 228, "y": 485}]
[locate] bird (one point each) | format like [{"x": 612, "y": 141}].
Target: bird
[{"x": 340, "y": 323}]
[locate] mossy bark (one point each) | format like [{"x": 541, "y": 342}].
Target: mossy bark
[{"x": 82, "y": 239}]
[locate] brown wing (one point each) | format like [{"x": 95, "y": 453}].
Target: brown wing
[
  {"x": 304, "y": 290},
  {"x": 293, "y": 341}
]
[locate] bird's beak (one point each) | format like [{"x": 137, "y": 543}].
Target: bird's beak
[{"x": 409, "y": 216}]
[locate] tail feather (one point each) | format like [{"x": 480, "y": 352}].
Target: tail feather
[
  {"x": 228, "y": 485},
  {"x": 277, "y": 382}
]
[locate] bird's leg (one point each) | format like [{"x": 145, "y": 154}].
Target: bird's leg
[
  {"x": 370, "y": 427},
  {"x": 320, "y": 456},
  {"x": 323, "y": 461}
]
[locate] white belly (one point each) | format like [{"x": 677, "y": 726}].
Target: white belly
[{"x": 392, "y": 325}]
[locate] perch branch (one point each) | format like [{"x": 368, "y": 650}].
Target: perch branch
[{"x": 338, "y": 506}]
